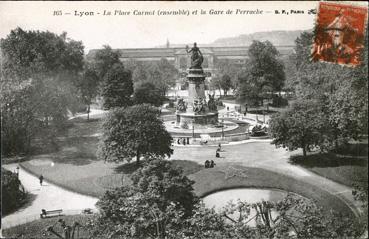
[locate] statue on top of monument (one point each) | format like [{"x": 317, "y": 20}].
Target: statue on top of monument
[{"x": 196, "y": 57}]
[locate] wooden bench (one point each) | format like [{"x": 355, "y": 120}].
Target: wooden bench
[{"x": 51, "y": 213}]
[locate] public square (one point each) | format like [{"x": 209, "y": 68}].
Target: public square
[{"x": 228, "y": 136}]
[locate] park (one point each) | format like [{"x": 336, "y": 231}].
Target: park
[{"x": 104, "y": 148}]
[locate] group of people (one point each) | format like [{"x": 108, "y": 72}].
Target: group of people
[
  {"x": 209, "y": 164},
  {"x": 183, "y": 141}
]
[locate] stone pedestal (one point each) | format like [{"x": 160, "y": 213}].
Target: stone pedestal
[{"x": 193, "y": 117}]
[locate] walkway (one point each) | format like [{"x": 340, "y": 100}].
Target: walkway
[{"x": 47, "y": 196}]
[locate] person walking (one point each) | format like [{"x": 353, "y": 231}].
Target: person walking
[{"x": 41, "y": 179}]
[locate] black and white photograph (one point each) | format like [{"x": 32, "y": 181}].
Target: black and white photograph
[{"x": 184, "y": 120}]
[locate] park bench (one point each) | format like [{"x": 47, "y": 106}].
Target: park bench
[{"x": 51, "y": 213}]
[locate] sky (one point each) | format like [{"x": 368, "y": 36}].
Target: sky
[{"x": 141, "y": 31}]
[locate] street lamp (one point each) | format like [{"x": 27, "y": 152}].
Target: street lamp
[{"x": 222, "y": 128}]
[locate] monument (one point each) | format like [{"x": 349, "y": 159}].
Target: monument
[{"x": 196, "y": 112}]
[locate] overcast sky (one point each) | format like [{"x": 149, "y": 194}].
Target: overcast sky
[{"x": 150, "y": 31}]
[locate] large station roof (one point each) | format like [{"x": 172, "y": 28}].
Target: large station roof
[{"x": 175, "y": 51}]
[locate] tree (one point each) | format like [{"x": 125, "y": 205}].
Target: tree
[
  {"x": 146, "y": 92},
  {"x": 138, "y": 70},
  {"x": 104, "y": 60},
  {"x": 340, "y": 91},
  {"x": 224, "y": 83},
  {"x": 118, "y": 87},
  {"x": 226, "y": 68},
  {"x": 144, "y": 210},
  {"x": 12, "y": 192},
  {"x": 38, "y": 77},
  {"x": 134, "y": 132},
  {"x": 292, "y": 217},
  {"x": 301, "y": 126},
  {"x": 154, "y": 206},
  {"x": 205, "y": 223},
  {"x": 35, "y": 54},
  {"x": 161, "y": 73},
  {"x": 265, "y": 72},
  {"x": 168, "y": 75},
  {"x": 88, "y": 86}
]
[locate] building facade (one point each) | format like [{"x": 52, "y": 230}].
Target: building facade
[{"x": 181, "y": 59}]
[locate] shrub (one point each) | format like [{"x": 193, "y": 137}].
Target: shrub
[{"x": 12, "y": 194}]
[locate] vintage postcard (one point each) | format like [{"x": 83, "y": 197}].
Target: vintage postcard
[{"x": 170, "y": 120}]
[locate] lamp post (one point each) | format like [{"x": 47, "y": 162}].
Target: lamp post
[{"x": 222, "y": 128}]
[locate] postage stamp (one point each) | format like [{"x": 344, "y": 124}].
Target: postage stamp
[{"x": 339, "y": 33}]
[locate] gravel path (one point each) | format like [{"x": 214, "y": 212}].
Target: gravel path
[{"x": 48, "y": 197}]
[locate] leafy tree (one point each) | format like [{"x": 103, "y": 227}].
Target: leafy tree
[
  {"x": 299, "y": 127},
  {"x": 104, "y": 60},
  {"x": 265, "y": 73},
  {"x": 146, "y": 92},
  {"x": 205, "y": 223},
  {"x": 144, "y": 210},
  {"x": 292, "y": 217},
  {"x": 134, "y": 132},
  {"x": 154, "y": 206},
  {"x": 139, "y": 71},
  {"x": 360, "y": 194},
  {"x": 229, "y": 70},
  {"x": 118, "y": 87},
  {"x": 12, "y": 192},
  {"x": 168, "y": 75},
  {"x": 161, "y": 73},
  {"x": 248, "y": 90},
  {"x": 38, "y": 77},
  {"x": 224, "y": 83},
  {"x": 88, "y": 86},
  {"x": 340, "y": 91},
  {"x": 35, "y": 54}
]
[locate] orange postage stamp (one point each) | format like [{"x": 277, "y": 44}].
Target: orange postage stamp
[{"x": 339, "y": 33}]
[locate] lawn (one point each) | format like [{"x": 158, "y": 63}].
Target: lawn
[
  {"x": 346, "y": 169},
  {"x": 95, "y": 177},
  {"x": 37, "y": 229}
]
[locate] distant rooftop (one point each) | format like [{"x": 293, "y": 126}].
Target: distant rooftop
[{"x": 180, "y": 50}]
